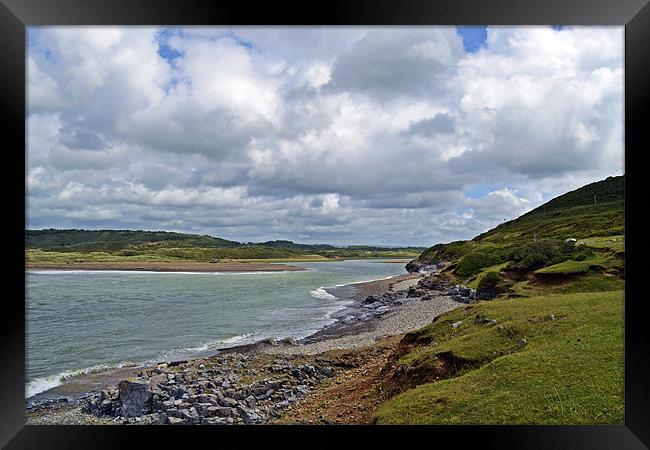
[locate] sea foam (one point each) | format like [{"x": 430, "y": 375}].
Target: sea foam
[
  {"x": 323, "y": 294},
  {"x": 48, "y": 382}
]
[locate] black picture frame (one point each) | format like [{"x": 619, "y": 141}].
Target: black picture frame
[{"x": 16, "y": 15}]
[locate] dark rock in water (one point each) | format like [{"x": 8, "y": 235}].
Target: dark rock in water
[
  {"x": 134, "y": 397},
  {"x": 414, "y": 266},
  {"x": 424, "y": 267}
]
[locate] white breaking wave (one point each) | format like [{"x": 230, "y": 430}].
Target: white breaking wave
[
  {"x": 43, "y": 384},
  {"x": 215, "y": 345},
  {"x": 236, "y": 339},
  {"x": 322, "y": 293},
  {"x": 368, "y": 281}
]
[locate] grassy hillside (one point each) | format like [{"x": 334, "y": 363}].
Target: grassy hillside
[
  {"x": 555, "y": 359},
  {"x": 124, "y": 245},
  {"x": 533, "y": 248},
  {"x": 549, "y": 348},
  {"x": 568, "y": 215},
  {"x": 96, "y": 240}
]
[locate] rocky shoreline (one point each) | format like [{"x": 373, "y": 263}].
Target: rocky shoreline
[{"x": 256, "y": 383}]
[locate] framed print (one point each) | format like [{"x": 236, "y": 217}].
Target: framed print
[{"x": 363, "y": 218}]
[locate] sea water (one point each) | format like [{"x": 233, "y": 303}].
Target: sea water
[{"x": 81, "y": 321}]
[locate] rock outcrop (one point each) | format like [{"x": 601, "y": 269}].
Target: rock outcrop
[
  {"x": 210, "y": 393},
  {"x": 462, "y": 294}
]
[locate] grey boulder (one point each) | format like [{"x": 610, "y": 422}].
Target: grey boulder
[{"x": 134, "y": 397}]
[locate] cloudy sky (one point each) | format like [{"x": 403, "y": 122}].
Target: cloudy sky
[{"x": 393, "y": 136}]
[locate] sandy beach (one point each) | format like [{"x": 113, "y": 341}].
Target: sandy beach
[{"x": 157, "y": 266}]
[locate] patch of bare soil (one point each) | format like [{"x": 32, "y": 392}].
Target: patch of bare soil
[{"x": 352, "y": 396}]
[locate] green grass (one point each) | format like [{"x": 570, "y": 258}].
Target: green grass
[
  {"x": 615, "y": 243},
  {"x": 36, "y": 255},
  {"x": 565, "y": 268},
  {"x": 592, "y": 283},
  {"x": 584, "y": 221},
  {"x": 569, "y": 372}
]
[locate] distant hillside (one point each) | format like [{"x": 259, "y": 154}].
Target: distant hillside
[
  {"x": 53, "y": 245},
  {"x": 103, "y": 240},
  {"x": 533, "y": 248},
  {"x": 294, "y": 246},
  {"x": 569, "y": 215}
]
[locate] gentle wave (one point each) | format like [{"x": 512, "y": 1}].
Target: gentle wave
[
  {"x": 215, "y": 345},
  {"x": 323, "y": 294},
  {"x": 46, "y": 383},
  {"x": 367, "y": 281}
]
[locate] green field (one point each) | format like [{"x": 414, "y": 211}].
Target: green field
[
  {"x": 565, "y": 268},
  {"x": 569, "y": 371},
  {"x": 47, "y": 246}
]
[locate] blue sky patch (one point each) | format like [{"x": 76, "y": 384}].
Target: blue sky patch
[
  {"x": 164, "y": 50},
  {"x": 474, "y": 37}
]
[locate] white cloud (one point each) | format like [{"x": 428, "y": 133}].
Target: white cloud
[{"x": 341, "y": 135}]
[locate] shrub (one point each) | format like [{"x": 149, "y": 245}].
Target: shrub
[
  {"x": 473, "y": 262},
  {"x": 490, "y": 286},
  {"x": 582, "y": 252},
  {"x": 541, "y": 253},
  {"x": 489, "y": 280}
]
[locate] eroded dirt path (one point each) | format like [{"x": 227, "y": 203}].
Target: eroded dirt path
[{"x": 353, "y": 395}]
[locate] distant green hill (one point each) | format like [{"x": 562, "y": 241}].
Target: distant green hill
[
  {"x": 107, "y": 240},
  {"x": 292, "y": 245},
  {"x": 596, "y": 209},
  {"x": 53, "y": 245},
  {"x": 593, "y": 214}
]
